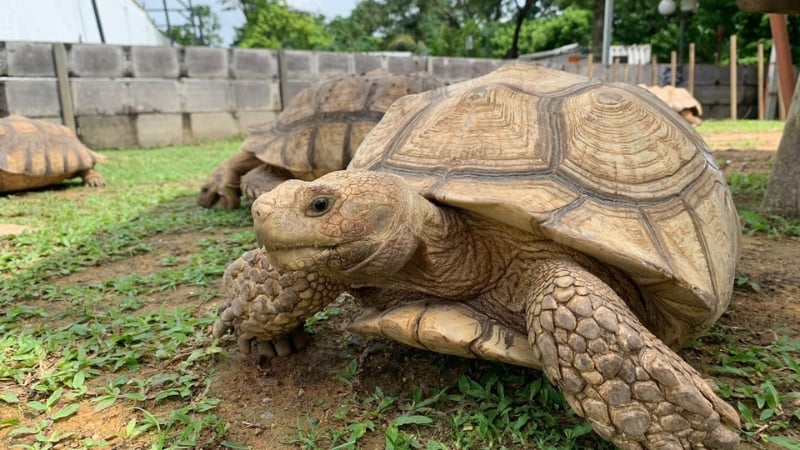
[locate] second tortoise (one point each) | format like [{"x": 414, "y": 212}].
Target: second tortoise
[{"x": 318, "y": 132}]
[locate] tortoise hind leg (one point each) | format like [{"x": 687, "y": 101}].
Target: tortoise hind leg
[
  {"x": 443, "y": 326},
  {"x": 632, "y": 388},
  {"x": 92, "y": 178}
]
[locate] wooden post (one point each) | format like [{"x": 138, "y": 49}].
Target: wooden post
[
  {"x": 625, "y": 70},
  {"x": 654, "y": 62},
  {"x": 639, "y": 73},
  {"x": 673, "y": 68},
  {"x": 783, "y": 52},
  {"x": 734, "y": 96},
  {"x": 590, "y": 65},
  {"x": 760, "y": 53},
  {"x": 614, "y": 69},
  {"x": 64, "y": 92},
  {"x": 691, "y": 68}
]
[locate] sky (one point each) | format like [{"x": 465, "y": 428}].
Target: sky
[{"x": 232, "y": 19}]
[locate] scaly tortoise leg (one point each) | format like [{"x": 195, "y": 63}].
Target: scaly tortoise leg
[
  {"x": 632, "y": 388},
  {"x": 266, "y": 309},
  {"x": 262, "y": 179}
]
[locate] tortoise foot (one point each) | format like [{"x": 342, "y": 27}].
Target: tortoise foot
[
  {"x": 265, "y": 309},
  {"x": 263, "y": 351},
  {"x": 93, "y": 179},
  {"x": 632, "y": 388}
]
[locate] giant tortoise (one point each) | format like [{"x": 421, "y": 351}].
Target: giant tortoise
[
  {"x": 37, "y": 153},
  {"x": 530, "y": 216},
  {"x": 317, "y": 133}
]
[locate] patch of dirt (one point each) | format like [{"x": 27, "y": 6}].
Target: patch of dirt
[
  {"x": 765, "y": 140},
  {"x": 265, "y": 406}
]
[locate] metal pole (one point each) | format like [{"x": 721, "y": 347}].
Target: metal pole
[
  {"x": 99, "y": 22},
  {"x": 166, "y": 16},
  {"x": 608, "y": 16}
]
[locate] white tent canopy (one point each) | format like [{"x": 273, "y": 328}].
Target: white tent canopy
[{"x": 123, "y": 22}]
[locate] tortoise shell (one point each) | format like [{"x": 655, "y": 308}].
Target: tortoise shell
[
  {"x": 36, "y": 153},
  {"x": 679, "y": 99},
  {"x": 606, "y": 169},
  {"x": 322, "y": 126}
]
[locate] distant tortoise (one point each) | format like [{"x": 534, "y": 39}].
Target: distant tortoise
[
  {"x": 36, "y": 153},
  {"x": 317, "y": 133},
  {"x": 529, "y": 216},
  {"x": 680, "y": 100}
]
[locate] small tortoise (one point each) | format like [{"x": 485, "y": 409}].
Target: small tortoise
[
  {"x": 680, "y": 100},
  {"x": 529, "y": 216},
  {"x": 317, "y": 133},
  {"x": 36, "y": 153}
]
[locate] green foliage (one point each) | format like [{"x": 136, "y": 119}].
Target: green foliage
[
  {"x": 272, "y": 24},
  {"x": 202, "y": 29},
  {"x": 573, "y": 25}
]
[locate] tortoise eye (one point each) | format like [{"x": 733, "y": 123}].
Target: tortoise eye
[{"x": 319, "y": 206}]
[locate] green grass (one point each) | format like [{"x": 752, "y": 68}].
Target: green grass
[
  {"x": 64, "y": 345},
  {"x": 741, "y": 126}
]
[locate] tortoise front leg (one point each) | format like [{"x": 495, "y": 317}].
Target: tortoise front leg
[
  {"x": 632, "y": 388},
  {"x": 265, "y": 308}
]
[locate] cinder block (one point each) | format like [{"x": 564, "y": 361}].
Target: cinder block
[
  {"x": 332, "y": 62},
  {"x": 97, "y": 61},
  {"x": 298, "y": 64},
  {"x": 205, "y": 95},
  {"x": 407, "y": 64},
  {"x": 154, "y": 96},
  {"x": 256, "y": 95},
  {"x": 254, "y": 64},
  {"x": 365, "y": 63},
  {"x": 29, "y": 59},
  {"x": 157, "y": 130},
  {"x": 3, "y": 60},
  {"x": 206, "y": 62},
  {"x": 106, "y": 97},
  {"x": 213, "y": 126},
  {"x": 247, "y": 119},
  {"x": 29, "y": 97},
  {"x": 155, "y": 62},
  {"x": 101, "y": 132}
]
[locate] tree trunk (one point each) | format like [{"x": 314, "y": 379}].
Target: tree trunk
[
  {"x": 783, "y": 188},
  {"x": 513, "y": 52},
  {"x": 597, "y": 28}
]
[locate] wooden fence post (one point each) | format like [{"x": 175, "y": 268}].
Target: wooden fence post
[
  {"x": 691, "y": 68},
  {"x": 760, "y": 53},
  {"x": 734, "y": 62},
  {"x": 673, "y": 67},
  {"x": 64, "y": 88}
]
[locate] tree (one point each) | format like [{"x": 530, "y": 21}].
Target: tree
[
  {"x": 272, "y": 24},
  {"x": 573, "y": 25},
  {"x": 202, "y": 28}
]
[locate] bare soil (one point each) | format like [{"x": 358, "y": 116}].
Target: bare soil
[{"x": 264, "y": 405}]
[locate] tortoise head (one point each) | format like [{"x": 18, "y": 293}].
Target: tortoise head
[
  {"x": 354, "y": 226},
  {"x": 217, "y": 190}
]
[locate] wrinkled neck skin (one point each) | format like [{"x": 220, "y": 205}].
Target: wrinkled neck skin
[{"x": 456, "y": 254}]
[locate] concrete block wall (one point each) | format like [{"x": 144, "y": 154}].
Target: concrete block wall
[{"x": 129, "y": 96}]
